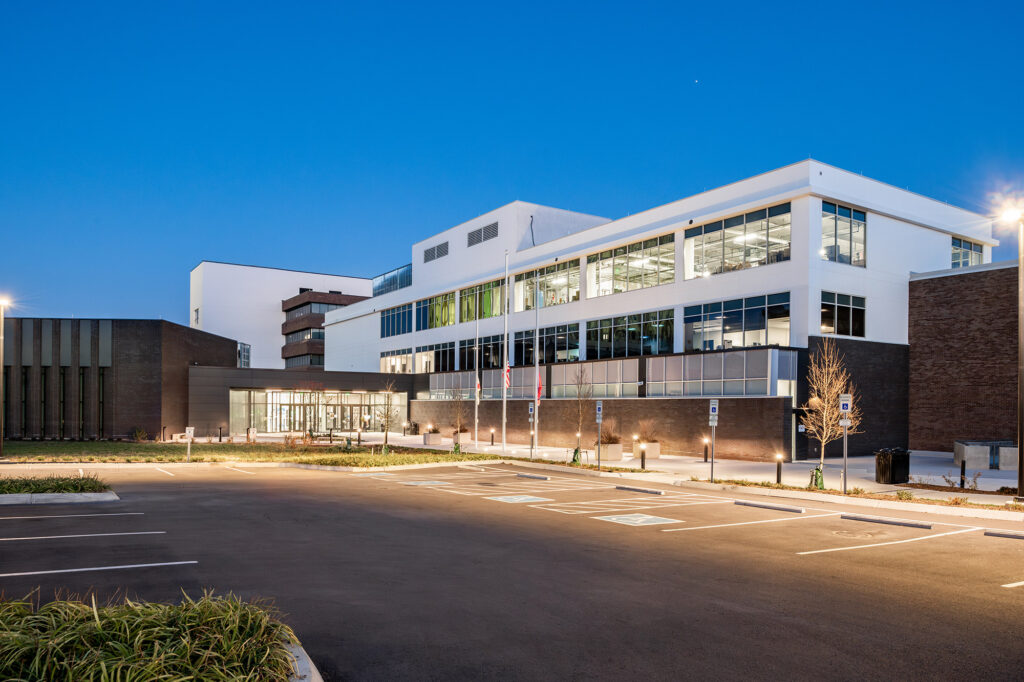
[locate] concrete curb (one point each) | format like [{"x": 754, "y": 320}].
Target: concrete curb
[
  {"x": 303, "y": 666},
  {"x": 995, "y": 514},
  {"x": 58, "y": 498}
]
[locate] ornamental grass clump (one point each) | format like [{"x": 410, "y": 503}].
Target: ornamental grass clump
[
  {"x": 52, "y": 484},
  {"x": 211, "y": 638}
]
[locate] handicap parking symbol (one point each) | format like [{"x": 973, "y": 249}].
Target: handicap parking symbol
[{"x": 637, "y": 519}]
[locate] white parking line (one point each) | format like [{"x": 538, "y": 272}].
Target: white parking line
[
  {"x": 243, "y": 471},
  {"x": 85, "y": 535},
  {"x": 1020, "y": 584},
  {"x": 69, "y": 516},
  {"x": 891, "y": 542},
  {"x": 164, "y": 471},
  {"x": 97, "y": 568},
  {"x": 750, "y": 523}
]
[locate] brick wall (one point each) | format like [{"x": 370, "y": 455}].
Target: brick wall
[
  {"x": 879, "y": 371},
  {"x": 963, "y": 358},
  {"x": 748, "y": 428}
]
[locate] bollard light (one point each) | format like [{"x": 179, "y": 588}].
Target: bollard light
[
  {"x": 778, "y": 467},
  {"x": 405, "y": 425},
  {"x": 706, "y": 441},
  {"x": 492, "y": 436},
  {"x": 643, "y": 455}
]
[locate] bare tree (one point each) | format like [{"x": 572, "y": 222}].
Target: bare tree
[
  {"x": 458, "y": 417},
  {"x": 827, "y": 379},
  {"x": 387, "y": 414},
  {"x": 584, "y": 404}
]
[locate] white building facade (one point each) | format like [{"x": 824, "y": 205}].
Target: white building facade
[
  {"x": 808, "y": 250},
  {"x": 244, "y": 302}
]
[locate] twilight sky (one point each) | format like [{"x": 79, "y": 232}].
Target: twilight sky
[{"x": 140, "y": 138}]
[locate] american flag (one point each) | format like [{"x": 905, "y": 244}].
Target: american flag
[{"x": 508, "y": 376}]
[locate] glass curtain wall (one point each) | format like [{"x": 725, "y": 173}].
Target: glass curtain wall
[
  {"x": 556, "y": 284},
  {"x": 272, "y": 411},
  {"x": 738, "y": 323},
  {"x": 560, "y": 343},
  {"x": 396, "y": 361},
  {"x": 843, "y": 234},
  {"x": 435, "y": 312},
  {"x": 437, "y": 357},
  {"x": 648, "y": 333},
  {"x": 744, "y": 241},
  {"x": 482, "y": 301},
  {"x": 491, "y": 352},
  {"x": 634, "y": 266}
]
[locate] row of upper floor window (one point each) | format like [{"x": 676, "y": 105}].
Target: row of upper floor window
[{"x": 310, "y": 309}]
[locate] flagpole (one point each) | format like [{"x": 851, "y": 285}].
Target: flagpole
[
  {"x": 536, "y": 360},
  {"x": 504, "y": 378},
  {"x": 476, "y": 375}
]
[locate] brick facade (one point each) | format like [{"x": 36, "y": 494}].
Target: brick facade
[
  {"x": 963, "y": 358},
  {"x": 748, "y": 428}
]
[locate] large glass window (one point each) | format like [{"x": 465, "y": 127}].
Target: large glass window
[
  {"x": 438, "y": 311},
  {"x": 310, "y": 309},
  {"x": 966, "y": 253},
  {"x": 742, "y": 241},
  {"x": 319, "y": 412},
  {"x": 482, "y": 301},
  {"x": 304, "y": 335},
  {"x": 842, "y": 314},
  {"x": 304, "y": 361},
  {"x": 395, "y": 321},
  {"x": 437, "y": 357},
  {"x": 556, "y": 344},
  {"x": 491, "y": 352},
  {"x": 630, "y": 335},
  {"x": 843, "y": 234},
  {"x": 394, "y": 280},
  {"x": 634, "y": 266},
  {"x": 738, "y": 323},
  {"x": 396, "y": 361},
  {"x": 554, "y": 285}
]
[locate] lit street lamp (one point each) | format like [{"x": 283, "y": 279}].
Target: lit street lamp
[
  {"x": 706, "y": 441},
  {"x": 1015, "y": 214},
  {"x": 778, "y": 467},
  {"x": 4, "y": 303}
]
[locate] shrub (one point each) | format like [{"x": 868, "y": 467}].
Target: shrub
[
  {"x": 646, "y": 431},
  {"x": 216, "y": 638},
  {"x": 857, "y": 491},
  {"x": 52, "y": 484},
  {"x": 956, "y": 501},
  {"x": 608, "y": 433},
  {"x": 433, "y": 429},
  {"x": 904, "y": 495},
  {"x": 139, "y": 434}
]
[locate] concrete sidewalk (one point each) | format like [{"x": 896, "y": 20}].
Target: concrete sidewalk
[{"x": 924, "y": 468}]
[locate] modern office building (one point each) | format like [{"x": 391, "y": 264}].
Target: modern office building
[
  {"x": 82, "y": 379},
  {"x": 724, "y": 294},
  {"x": 275, "y": 314}
]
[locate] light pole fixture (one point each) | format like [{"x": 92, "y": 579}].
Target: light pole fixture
[
  {"x": 1014, "y": 213},
  {"x": 4, "y": 304}
]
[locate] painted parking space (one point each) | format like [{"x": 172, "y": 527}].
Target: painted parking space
[
  {"x": 518, "y": 499},
  {"x": 628, "y": 503},
  {"x": 425, "y": 483},
  {"x": 637, "y": 519}
]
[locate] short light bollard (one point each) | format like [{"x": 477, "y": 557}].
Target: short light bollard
[
  {"x": 492, "y": 436},
  {"x": 778, "y": 468},
  {"x": 643, "y": 455},
  {"x": 359, "y": 436},
  {"x": 706, "y": 441}
]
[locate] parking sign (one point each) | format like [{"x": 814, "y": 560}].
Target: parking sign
[
  {"x": 598, "y": 411},
  {"x": 714, "y": 407},
  {"x": 845, "y": 400}
]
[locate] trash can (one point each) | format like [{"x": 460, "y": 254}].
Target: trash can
[{"x": 892, "y": 466}]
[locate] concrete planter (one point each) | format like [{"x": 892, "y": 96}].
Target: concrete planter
[
  {"x": 457, "y": 437},
  {"x": 431, "y": 438},
  {"x": 1007, "y": 459},
  {"x": 653, "y": 450},
  {"x": 610, "y": 452}
]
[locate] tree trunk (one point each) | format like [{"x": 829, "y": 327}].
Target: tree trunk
[{"x": 822, "y": 461}]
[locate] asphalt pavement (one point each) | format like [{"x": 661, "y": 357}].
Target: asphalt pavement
[{"x": 476, "y": 572}]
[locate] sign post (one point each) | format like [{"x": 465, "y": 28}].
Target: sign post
[
  {"x": 713, "y": 422},
  {"x": 532, "y": 431},
  {"x": 599, "y": 411},
  {"x": 190, "y": 431},
  {"x": 845, "y": 402}
]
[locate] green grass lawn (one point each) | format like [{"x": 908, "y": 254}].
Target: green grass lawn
[
  {"x": 212, "y": 638},
  {"x": 52, "y": 484},
  {"x": 326, "y": 455}
]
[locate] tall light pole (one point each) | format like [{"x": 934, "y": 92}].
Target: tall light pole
[
  {"x": 4, "y": 303},
  {"x": 1016, "y": 215}
]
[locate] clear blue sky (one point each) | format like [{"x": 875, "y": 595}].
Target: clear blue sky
[{"x": 139, "y": 138}]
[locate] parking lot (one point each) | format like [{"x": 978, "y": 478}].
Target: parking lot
[{"x": 495, "y": 570}]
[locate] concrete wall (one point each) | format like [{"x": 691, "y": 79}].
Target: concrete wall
[
  {"x": 963, "y": 357},
  {"x": 748, "y": 428},
  {"x": 243, "y": 302}
]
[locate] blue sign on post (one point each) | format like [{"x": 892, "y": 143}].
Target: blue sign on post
[{"x": 714, "y": 407}]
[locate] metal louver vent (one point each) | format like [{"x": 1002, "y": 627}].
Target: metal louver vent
[
  {"x": 482, "y": 234},
  {"x": 435, "y": 252}
]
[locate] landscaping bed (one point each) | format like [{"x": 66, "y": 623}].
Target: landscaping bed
[
  {"x": 900, "y": 496},
  {"x": 212, "y": 638},
  {"x": 957, "y": 489},
  {"x": 15, "y": 485}
]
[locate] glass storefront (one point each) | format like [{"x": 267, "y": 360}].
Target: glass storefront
[{"x": 272, "y": 411}]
